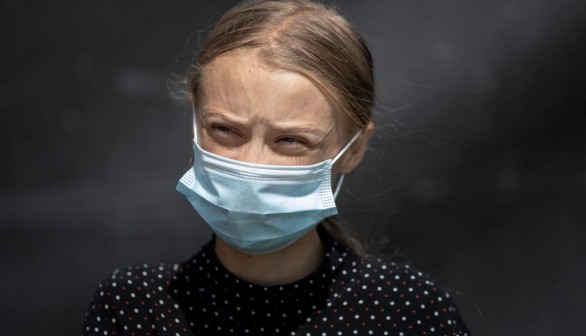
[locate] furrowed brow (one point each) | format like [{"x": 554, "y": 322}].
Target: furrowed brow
[
  {"x": 207, "y": 115},
  {"x": 294, "y": 129}
]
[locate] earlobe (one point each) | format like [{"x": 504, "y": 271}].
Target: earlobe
[{"x": 355, "y": 153}]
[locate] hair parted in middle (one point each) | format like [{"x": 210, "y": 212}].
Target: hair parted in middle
[{"x": 301, "y": 36}]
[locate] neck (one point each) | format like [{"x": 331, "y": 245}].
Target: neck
[{"x": 281, "y": 267}]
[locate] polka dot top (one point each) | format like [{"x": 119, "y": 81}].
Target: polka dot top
[{"x": 347, "y": 295}]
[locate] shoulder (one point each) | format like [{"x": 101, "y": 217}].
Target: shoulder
[
  {"x": 409, "y": 297},
  {"x": 388, "y": 277},
  {"x": 396, "y": 275},
  {"x": 145, "y": 278},
  {"x": 125, "y": 293}
]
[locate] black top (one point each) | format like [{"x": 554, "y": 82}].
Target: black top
[{"x": 347, "y": 295}]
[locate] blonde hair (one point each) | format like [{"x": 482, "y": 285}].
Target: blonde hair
[{"x": 305, "y": 37}]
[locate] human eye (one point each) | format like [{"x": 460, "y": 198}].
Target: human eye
[
  {"x": 291, "y": 143},
  {"x": 224, "y": 134},
  {"x": 291, "y": 140},
  {"x": 222, "y": 130}
]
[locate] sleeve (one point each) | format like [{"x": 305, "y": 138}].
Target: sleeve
[{"x": 100, "y": 318}]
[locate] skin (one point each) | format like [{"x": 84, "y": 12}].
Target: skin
[{"x": 252, "y": 113}]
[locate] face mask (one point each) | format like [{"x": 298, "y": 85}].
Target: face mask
[{"x": 259, "y": 208}]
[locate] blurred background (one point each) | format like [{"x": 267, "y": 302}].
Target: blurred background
[{"x": 477, "y": 174}]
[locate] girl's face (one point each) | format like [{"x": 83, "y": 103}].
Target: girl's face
[{"x": 251, "y": 113}]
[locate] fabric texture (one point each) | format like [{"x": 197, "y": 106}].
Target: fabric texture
[{"x": 347, "y": 295}]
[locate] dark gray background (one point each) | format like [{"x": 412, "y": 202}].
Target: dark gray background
[{"x": 477, "y": 174}]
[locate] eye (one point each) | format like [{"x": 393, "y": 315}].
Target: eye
[
  {"x": 223, "y": 134},
  {"x": 222, "y": 130},
  {"x": 292, "y": 142}
]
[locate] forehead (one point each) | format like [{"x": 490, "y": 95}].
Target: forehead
[
  {"x": 242, "y": 68},
  {"x": 240, "y": 83}
]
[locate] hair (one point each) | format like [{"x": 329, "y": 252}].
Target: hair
[{"x": 305, "y": 37}]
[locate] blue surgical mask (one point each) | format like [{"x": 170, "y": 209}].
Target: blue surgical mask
[{"x": 260, "y": 208}]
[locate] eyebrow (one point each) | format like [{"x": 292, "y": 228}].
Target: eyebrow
[
  {"x": 206, "y": 115},
  {"x": 294, "y": 129}
]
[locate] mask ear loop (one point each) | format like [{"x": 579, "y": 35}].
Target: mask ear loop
[
  {"x": 341, "y": 179},
  {"x": 195, "y": 128},
  {"x": 338, "y": 186}
]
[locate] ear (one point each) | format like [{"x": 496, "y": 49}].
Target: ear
[{"x": 355, "y": 153}]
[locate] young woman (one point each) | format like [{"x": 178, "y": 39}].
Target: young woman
[{"x": 282, "y": 96}]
